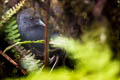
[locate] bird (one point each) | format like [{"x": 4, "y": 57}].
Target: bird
[{"x": 31, "y": 28}]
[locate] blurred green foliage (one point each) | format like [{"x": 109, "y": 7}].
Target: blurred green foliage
[{"x": 93, "y": 62}]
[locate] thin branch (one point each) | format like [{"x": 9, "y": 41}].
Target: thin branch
[
  {"x": 13, "y": 62},
  {"x": 98, "y": 8},
  {"x": 24, "y": 42},
  {"x": 57, "y": 58},
  {"x": 46, "y": 38}
]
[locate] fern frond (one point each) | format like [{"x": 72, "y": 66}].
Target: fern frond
[
  {"x": 11, "y": 12},
  {"x": 29, "y": 63},
  {"x": 27, "y": 60},
  {"x": 11, "y": 29}
]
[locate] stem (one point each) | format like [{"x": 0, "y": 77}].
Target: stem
[
  {"x": 98, "y": 8},
  {"x": 46, "y": 38},
  {"x": 13, "y": 62},
  {"x": 19, "y": 43}
]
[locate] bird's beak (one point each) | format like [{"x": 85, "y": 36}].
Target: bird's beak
[{"x": 42, "y": 23}]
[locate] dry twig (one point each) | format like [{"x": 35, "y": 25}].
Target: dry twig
[
  {"x": 13, "y": 62},
  {"x": 46, "y": 34}
]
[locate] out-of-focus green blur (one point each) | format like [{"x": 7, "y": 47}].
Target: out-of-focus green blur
[{"x": 93, "y": 62}]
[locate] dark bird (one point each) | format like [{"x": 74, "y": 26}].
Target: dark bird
[{"x": 31, "y": 27}]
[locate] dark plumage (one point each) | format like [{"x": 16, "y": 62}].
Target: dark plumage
[{"x": 31, "y": 27}]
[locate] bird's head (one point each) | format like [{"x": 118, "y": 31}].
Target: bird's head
[{"x": 30, "y": 19}]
